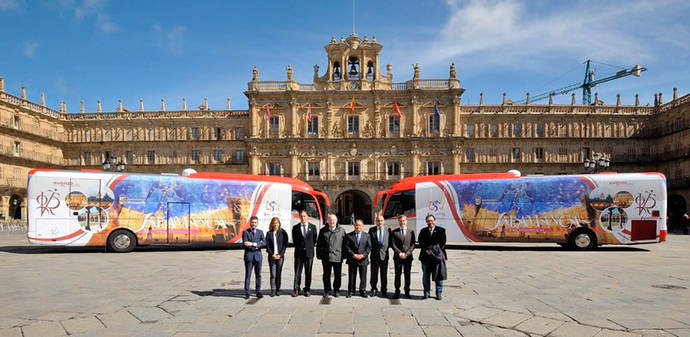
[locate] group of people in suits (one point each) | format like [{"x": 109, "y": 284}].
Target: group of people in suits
[{"x": 360, "y": 250}]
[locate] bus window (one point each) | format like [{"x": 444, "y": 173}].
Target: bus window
[
  {"x": 322, "y": 205},
  {"x": 400, "y": 203},
  {"x": 304, "y": 201}
]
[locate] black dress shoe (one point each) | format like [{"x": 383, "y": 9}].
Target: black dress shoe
[
  {"x": 295, "y": 293},
  {"x": 425, "y": 296},
  {"x": 273, "y": 293},
  {"x": 407, "y": 295},
  {"x": 277, "y": 292},
  {"x": 373, "y": 292},
  {"x": 259, "y": 295},
  {"x": 325, "y": 294},
  {"x": 348, "y": 294},
  {"x": 246, "y": 296},
  {"x": 335, "y": 294},
  {"x": 396, "y": 295},
  {"x": 363, "y": 294},
  {"x": 439, "y": 297},
  {"x": 307, "y": 293}
]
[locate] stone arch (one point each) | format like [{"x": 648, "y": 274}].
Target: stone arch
[{"x": 353, "y": 201}]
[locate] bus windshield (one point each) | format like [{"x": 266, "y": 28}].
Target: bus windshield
[
  {"x": 400, "y": 203},
  {"x": 304, "y": 201}
]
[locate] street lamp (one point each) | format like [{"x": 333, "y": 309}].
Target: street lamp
[
  {"x": 110, "y": 163},
  {"x": 596, "y": 162}
]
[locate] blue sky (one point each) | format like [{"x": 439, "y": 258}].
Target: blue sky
[{"x": 103, "y": 49}]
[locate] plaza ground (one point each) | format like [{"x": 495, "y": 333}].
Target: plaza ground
[{"x": 492, "y": 290}]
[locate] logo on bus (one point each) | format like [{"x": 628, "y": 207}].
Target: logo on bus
[
  {"x": 48, "y": 201},
  {"x": 272, "y": 206},
  {"x": 435, "y": 205}
]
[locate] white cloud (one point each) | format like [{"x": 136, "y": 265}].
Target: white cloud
[
  {"x": 507, "y": 33},
  {"x": 30, "y": 49},
  {"x": 8, "y": 4},
  {"x": 169, "y": 39},
  {"x": 86, "y": 10}
]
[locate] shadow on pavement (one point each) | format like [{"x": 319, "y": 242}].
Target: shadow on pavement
[
  {"x": 141, "y": 249},
  {"x": 554, "y": 248}
]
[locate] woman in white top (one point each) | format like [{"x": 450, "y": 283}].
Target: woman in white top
[{"x": 276, "y": 242}]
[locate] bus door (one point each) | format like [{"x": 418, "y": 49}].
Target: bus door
[{"x": 178, "y": 223}]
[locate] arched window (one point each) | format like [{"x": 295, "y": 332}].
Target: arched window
[
  {"x": 370, "y": 71},
  {"x": 336, "y": 71},
  {"x": 353, "y": 65}
]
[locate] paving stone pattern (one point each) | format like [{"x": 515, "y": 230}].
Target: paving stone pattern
[{"x": 492, "y": 290}]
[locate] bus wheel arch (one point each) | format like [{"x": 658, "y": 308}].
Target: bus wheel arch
[
  {"x": 121, "y": 241},
  {"x": 582, "y": 238}
]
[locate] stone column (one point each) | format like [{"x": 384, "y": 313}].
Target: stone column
[
  {"x": 294, "y": 168},
  {"x": 457, "y": 153},
  {"x": 293, "y": 118},
  {"x": 415, "y": 161},
  {"x": 253, "y": 161},
  {"x": 414, "y": 109},
  {"x": 456, "y": 129}
]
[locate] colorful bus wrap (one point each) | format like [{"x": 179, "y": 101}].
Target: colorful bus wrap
[
  {"x": 582, "y": 211},
  {"x": 77, "y": 208}
]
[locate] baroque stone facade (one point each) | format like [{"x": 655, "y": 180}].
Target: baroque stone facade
[{"x": 350, "y": 133}]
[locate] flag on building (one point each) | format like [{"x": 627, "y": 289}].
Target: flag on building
[
  {"x": 397, "y": 110},
  {"x": 309, "y": 112},
  {"x": 352, "y": 104},
  {"x": 436, "y": 113},
  {"x": 268, "y": 111}
]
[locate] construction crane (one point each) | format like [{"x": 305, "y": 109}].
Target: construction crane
[{"x": 588, "y": 83}]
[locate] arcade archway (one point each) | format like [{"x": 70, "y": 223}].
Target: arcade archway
[
  {"x": 353, "y": 202},
  {"x": 677, "y": 206},
  {"x": 15, "y": 210}
]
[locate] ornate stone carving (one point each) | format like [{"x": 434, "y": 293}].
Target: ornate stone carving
[
  {"x": 255, "y": 74},
  {"x": 289, "y": 73}
]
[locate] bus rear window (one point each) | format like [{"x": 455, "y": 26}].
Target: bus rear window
[{"x": 401, "y": 203}]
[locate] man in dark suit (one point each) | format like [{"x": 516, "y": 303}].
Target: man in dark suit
[
  {"x": 329, "y": 250},
  {"x": 380, "y": 237},
  {"x": 402, "y": 242},
  {"x": 432, "y": 246},
  {"x": 253, "y": 240},
  {"x": 357, "y": 247},
  {"x": 304, "y": 238}
]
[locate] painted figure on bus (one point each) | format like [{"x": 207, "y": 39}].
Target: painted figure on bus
[
  {"x": 276, "y": 243},
  {"x": 253, "y": 240},
  {"x": 432, "y": 246}
]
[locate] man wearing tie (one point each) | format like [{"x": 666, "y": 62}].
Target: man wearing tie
[
  {"x": 357, "y": 247},
  {"x": 380, "y": 236},
  {"x": 253, "y": 240},
  {"x": 402, "y": 242},
  {"x": 304, "y": 238},
  {"x": 432, "y": 246}
]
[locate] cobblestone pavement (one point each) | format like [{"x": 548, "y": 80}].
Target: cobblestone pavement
[{"x": 507, "y": 290}]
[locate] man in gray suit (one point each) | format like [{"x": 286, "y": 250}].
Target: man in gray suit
[
  {"x": 329, "y": 249},
  {"x": 380, "y": 236}
]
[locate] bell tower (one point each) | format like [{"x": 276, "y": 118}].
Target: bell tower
[{"x": 353, "y": 64}]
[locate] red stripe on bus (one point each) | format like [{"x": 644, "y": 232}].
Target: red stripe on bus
[
  {"x": 77, "y": 233},
  {"x": 117, "y": 181},
  {"x": 458, "y": 221},
  {"x": 254, "y": 211}
]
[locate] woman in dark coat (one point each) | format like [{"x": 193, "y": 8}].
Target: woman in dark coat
[{"x": 276, "y": 242}]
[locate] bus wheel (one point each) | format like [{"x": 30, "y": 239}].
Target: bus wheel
[
  {"x": 122, "y": 241},
  {"x": 582, "y": 240}
]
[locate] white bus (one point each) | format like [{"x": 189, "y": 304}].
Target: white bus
[
  {"x": 579, "y": 211},
  {"x": 123, "y": 210}
]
